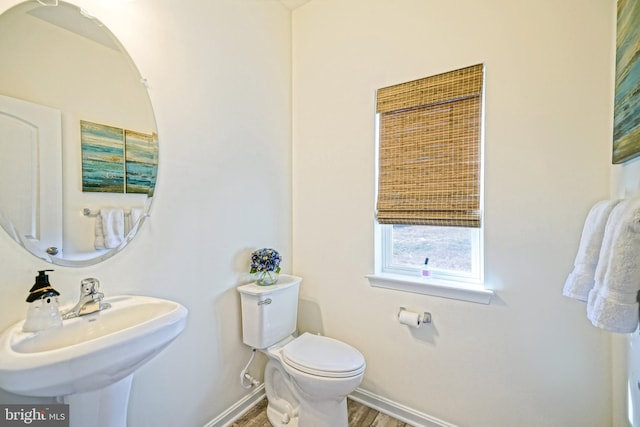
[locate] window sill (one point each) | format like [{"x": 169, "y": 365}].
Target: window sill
[{"x": 433, "y": 287}]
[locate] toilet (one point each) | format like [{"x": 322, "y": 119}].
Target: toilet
[{"x": 308, "y": 377}]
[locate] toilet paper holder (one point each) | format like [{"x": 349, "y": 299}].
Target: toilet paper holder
[{"x": 426, "y": 317}]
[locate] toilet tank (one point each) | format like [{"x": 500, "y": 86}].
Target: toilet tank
[{"x": 269, "y": 313}]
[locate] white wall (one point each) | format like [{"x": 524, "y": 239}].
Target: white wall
[
  {"x": 219, "y": 77},
  {"x": 530, "y": 358},
  {"x": 625, "y": 183}
]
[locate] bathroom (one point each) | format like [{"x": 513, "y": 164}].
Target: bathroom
[{"x": 265, "y": 124}]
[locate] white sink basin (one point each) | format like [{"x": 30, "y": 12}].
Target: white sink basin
[{"x": 88, "y": 352}]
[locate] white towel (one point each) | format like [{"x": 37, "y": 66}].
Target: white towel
[
  {"x": 134, "y": 217},
  {"x": 582, "y": 279},
  {"x": 99, "y": 242},
  {"x": 109, "y": 228},
  {"x": 613, "y": 301}
]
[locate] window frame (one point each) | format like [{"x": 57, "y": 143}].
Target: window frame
[
  {"x": 473, "y": 278},
  {"x": 446, "y": 285},
  {"x": 410, "y": 280}
]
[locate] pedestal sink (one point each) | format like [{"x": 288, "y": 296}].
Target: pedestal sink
[{"x": 89, "y": 361}]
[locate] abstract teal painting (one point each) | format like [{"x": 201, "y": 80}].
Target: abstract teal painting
[
  {"x": 626, "y": 122},
  {"x": 141, "y": 162},
  {"x": 102, "y": 158}
]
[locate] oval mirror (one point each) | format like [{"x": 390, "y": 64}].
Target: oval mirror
[{"x": 78, "y": 139}]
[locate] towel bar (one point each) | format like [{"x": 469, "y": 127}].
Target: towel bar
[{"x": 90, "y": 212}]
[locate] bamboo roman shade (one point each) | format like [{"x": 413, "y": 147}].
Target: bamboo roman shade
[{"x": 429, "y": 150}]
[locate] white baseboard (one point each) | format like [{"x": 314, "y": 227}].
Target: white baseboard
[
  {"x": 379, "y": 403},
  {"x": 396, "y": 410},
  {"x": 238, "y": 409}
]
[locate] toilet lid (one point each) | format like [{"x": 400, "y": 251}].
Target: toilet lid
[{"x": 323, "y": 356}]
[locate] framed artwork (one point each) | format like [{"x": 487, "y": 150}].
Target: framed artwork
[
  {"x": 117, "y": 160},
  {"x": 102, "y": 158},
  {"x": 141, "y": 162},
  {"x": 626, "y": 121}
]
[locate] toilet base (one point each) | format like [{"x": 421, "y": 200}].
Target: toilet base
[
  {"x": 278, "y": 419},
  {"x": 337, "y": 417},
  {"x": 283, "y": 406},
  {"x": 333, "y": 414},
  {"x": 286, "y": 408}
]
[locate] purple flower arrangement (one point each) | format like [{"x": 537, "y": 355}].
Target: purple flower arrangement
[{"x": 265, "y": 265}]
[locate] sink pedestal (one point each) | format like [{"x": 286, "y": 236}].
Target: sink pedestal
[{"x": 105, "y": 407}]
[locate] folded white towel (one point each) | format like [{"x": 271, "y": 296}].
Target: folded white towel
[
  {"x": 613, "y": 301},
  {"x": 134, "y": 218},
  {"x": 111, "y": 221},
  {"x": 582, "y": 279},
  {"x": 99, "y": 242}
]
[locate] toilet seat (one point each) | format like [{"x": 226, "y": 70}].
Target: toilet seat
[{"x": 323, "y": 356}]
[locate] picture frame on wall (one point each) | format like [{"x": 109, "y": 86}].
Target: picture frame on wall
[
  {"x": 626, "y": 121},
  {"x": 102, "y": 158},
  {"x": 141, "y": 155},
  {"x": 116, "y": 160}
]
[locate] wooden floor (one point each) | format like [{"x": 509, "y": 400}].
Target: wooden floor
[{"x": 359, "y": 416}]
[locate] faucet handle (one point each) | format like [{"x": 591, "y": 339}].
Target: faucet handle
[{"x": 89, "y": 286}]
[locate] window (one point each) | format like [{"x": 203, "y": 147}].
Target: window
[
  {"x": 453, "y": 252},
  {"x": 429, "y": 138}
]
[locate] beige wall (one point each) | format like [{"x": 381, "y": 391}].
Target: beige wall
[{"x": 530, "y": 358}]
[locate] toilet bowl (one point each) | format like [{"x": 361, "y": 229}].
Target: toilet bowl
[{"x": 307, "y": 378}]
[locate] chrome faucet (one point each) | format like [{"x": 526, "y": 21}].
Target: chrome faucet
[{"x": 90, "y": 299}]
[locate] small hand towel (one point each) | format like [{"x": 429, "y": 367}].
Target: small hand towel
[
  {"x": 112, "y": 226},
  {"x": 134, "y": 218},
  {"x": 613, "y": 301},
  {"x": 99, "y": 242},
  {"x": 582, "y": 279}
]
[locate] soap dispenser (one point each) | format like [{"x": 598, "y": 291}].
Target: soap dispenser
[{"x": 43, "y": 312}]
